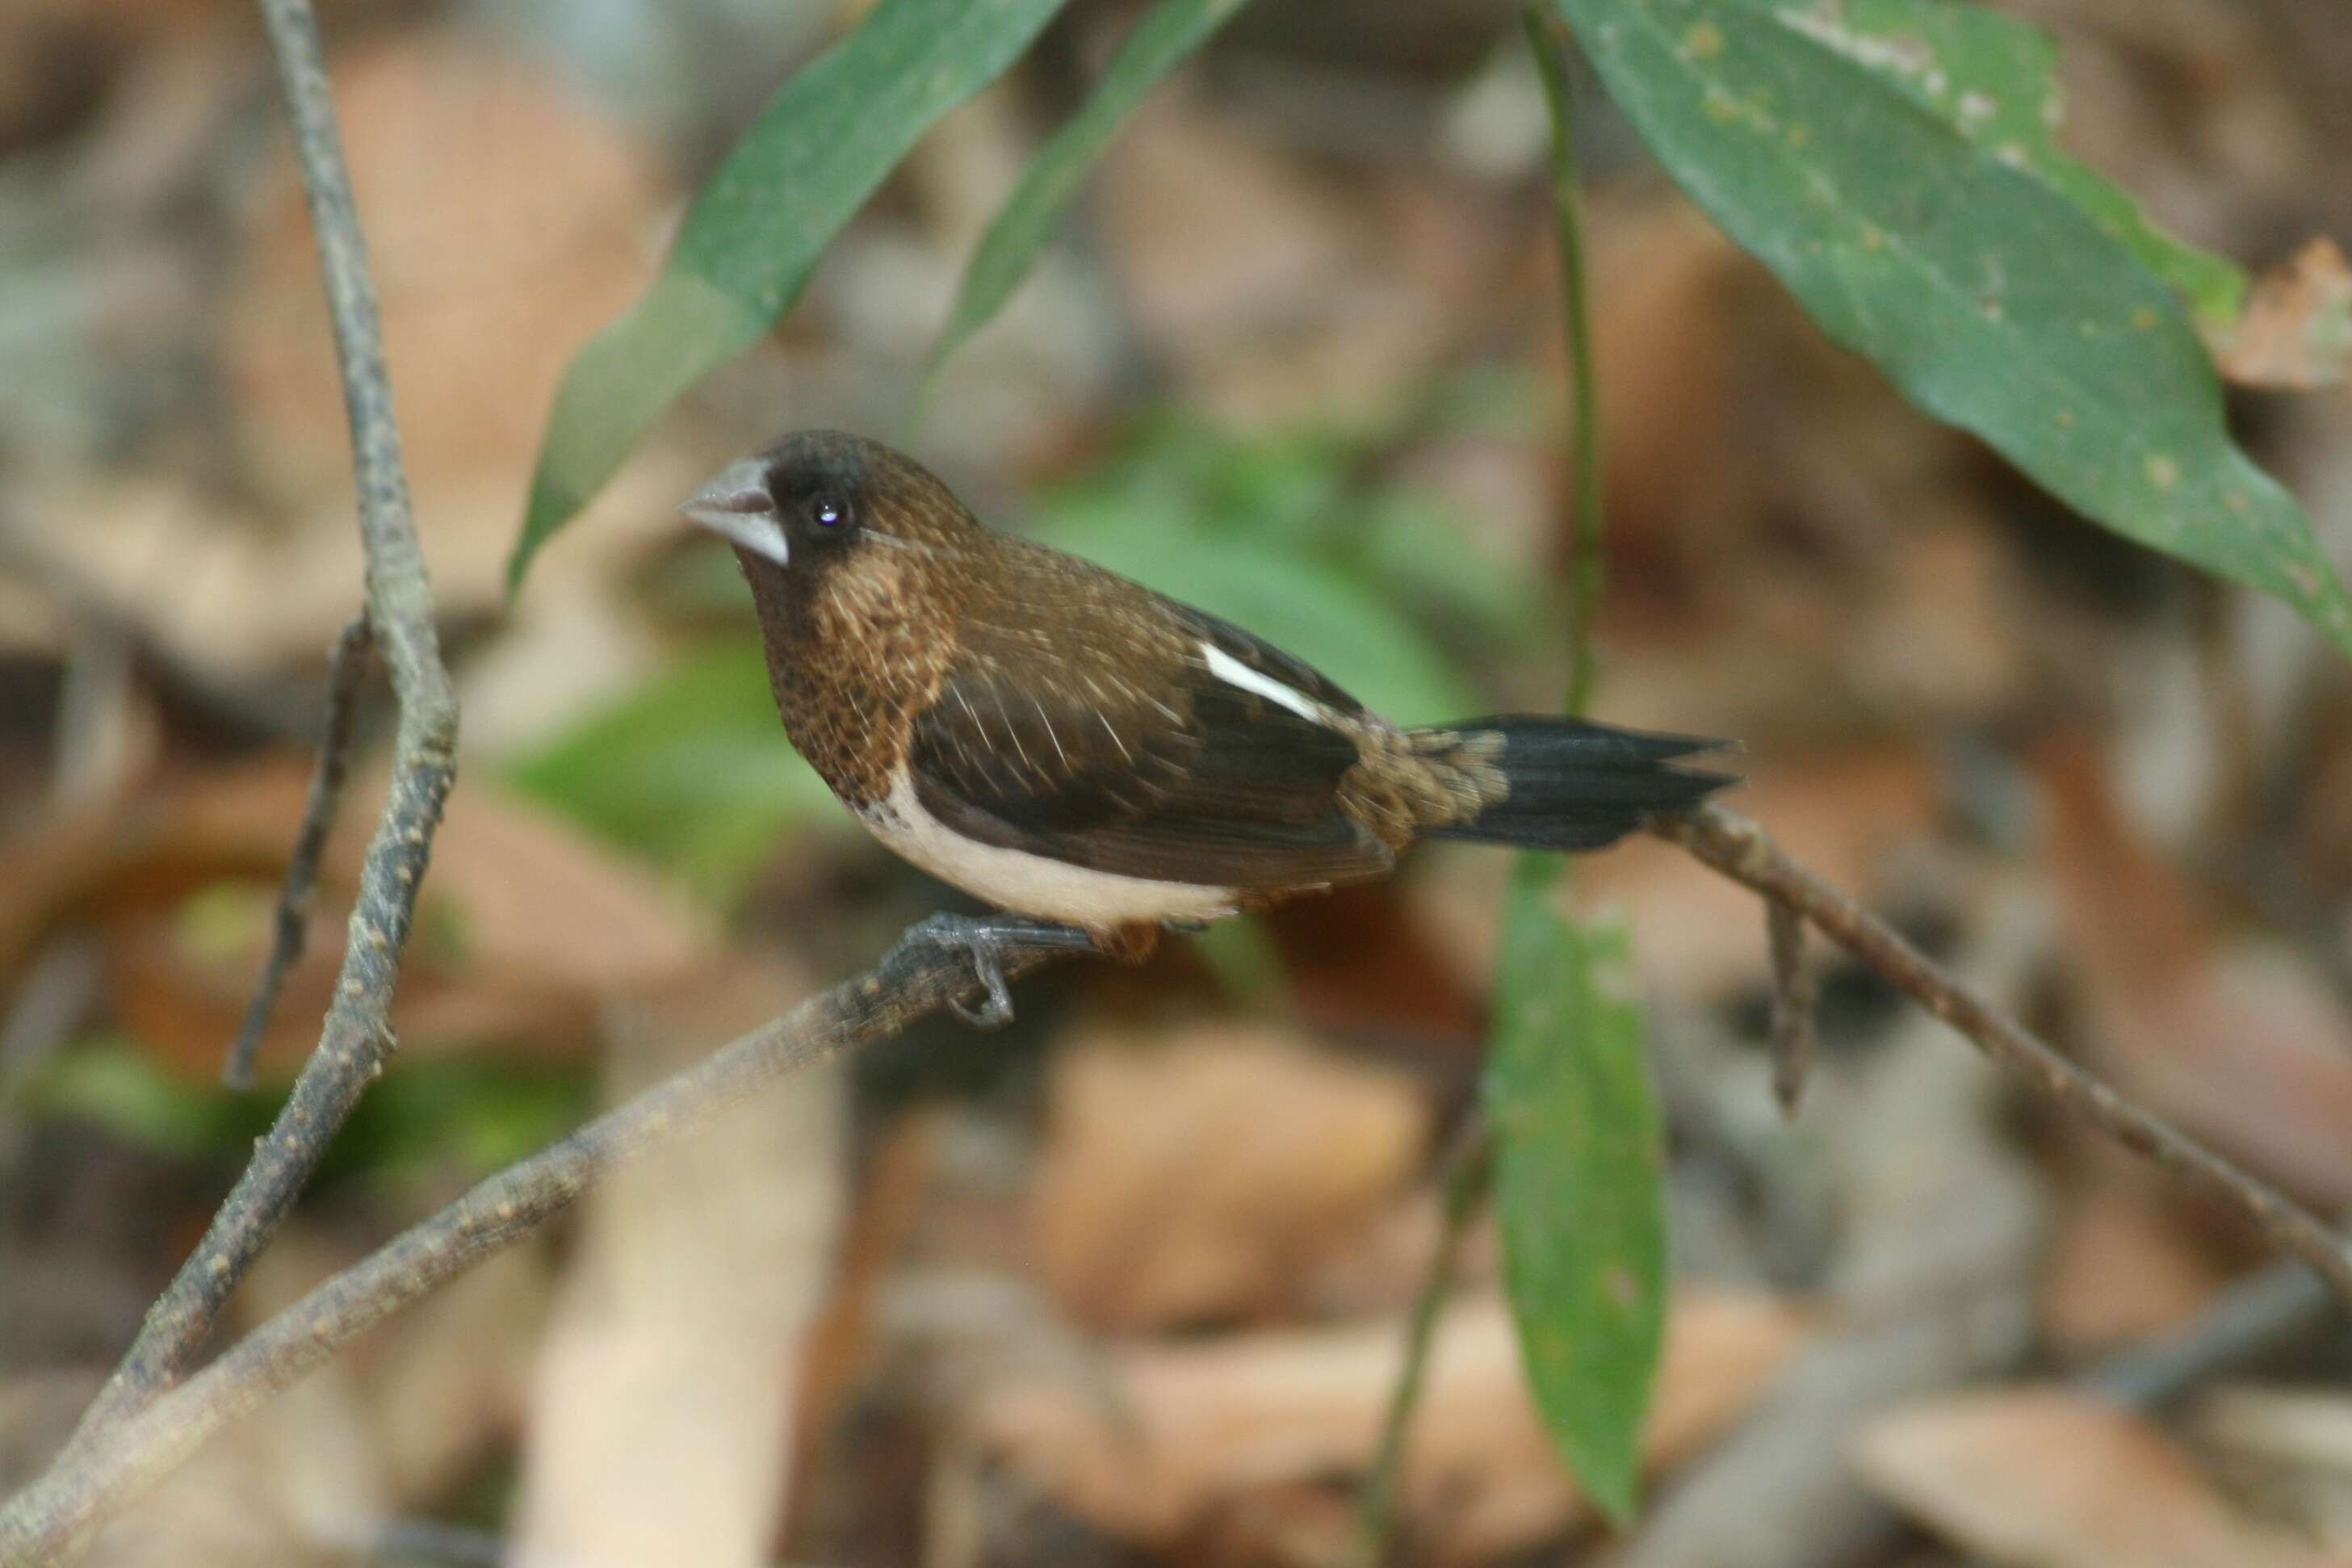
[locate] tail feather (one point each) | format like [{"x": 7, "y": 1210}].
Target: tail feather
[{"x": 1579, "y": 785}]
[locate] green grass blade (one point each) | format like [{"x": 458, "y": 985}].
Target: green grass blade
[
  {"x": 1580, "y": 1187},
  {"x": 818, "y": 149},
  {"x": 1159, "y": 43}
]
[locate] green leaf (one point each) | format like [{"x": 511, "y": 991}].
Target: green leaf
[
  {"x": 1994, "y": 78},
  {"x": 692, "y": 770},
  {"x": 820, "y": 147},
  {"x": 1579, "y": 1161},
  {"x": 1983, "y": 288},
  {"x": 110, "y": 1083},
  {"x": 1158, "y": 45},
  {"x": 475, "y": 1108}
]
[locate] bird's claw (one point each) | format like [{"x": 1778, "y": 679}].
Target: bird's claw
[{"x": 987, "y": 943}]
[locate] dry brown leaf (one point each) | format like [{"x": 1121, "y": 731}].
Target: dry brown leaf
[
  {"x": 2289, "y": 1447},
  {"x": 1185, "y": 1434},
  {"x": 526, "y": 927},
  {"x": 663, "y": 1405},
  {"x": 506, "y": 220},
  {"x": 2056, "y": 1480},
  {"x": 2127, "y": 1258},
  {"x": 1339, "y": 296},
  {"x": 1203, "y": 1175},
  {"x": 2237, "y": 1040},
  {"x": 436, "y": 1389},
  {"x": 2310, "y": 1426},
  {"x": 2296, "y": 330}
]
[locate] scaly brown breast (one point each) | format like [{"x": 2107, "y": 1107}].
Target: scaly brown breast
[{"x": 860, "y": 668}]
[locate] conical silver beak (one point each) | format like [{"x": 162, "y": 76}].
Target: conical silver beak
[{"x": 736, "y": 506}]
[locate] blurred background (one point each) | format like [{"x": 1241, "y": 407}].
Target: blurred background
[{"x": 1125, "y": 1283}]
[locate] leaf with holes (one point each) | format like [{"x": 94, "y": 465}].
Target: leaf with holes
[
  {"x": 1974, "y": 278},
  {"x": 1580, "y": 1186},
  {"x": 820, "y": 147}
]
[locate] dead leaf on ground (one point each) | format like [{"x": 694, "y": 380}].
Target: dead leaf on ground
[
  {"x": 2129, "y": 1257},
  {"x": 1185, "y": 1434},
  {"x": 525, "y": 928},
  {"x": 2296, "y": 330},
  {"x": 2057, "y": 1479},
  {"x": 507, "y": 219},
  {"x": 1205, "y": 1173},
  {"x": 662, "y": 1408},
  {"x": 436, "y": 1389},
  {"x": 2290, "y": 1448},
  {"x": 1340, "y": 295},
  {"x": 2235, "y": 1039}
]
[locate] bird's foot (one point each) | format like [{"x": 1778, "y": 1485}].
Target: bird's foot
[{"x": 988, "y": 941}]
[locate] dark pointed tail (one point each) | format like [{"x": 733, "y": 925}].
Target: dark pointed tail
[{"x": 1579, "y": 785}]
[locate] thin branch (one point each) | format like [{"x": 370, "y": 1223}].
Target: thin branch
[
  {"x": 917, "y": 976},
  {"x": 1795, "y": 999},
  {"x": 1465, "y": 1194},
  {"x": 1547, "y": 37},
  {"x": 356, "y": 1039},
  {"x": 1743, "y": 851},
  {"x": 345, "y": 670}
]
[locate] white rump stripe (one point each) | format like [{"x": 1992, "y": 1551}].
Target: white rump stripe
[{"x": 1233, "y": 672}]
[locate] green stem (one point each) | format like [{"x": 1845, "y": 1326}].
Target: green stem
[
  {"x": 1474, "y": 1178},
  {"x": 1466, "y": 1193},
  {"x": 1546, "y": 34}
]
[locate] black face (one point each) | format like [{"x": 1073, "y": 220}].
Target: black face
[{"x": 816, "y": 481}]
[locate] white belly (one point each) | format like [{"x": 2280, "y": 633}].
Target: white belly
[{"x": 1031, "y": 884}]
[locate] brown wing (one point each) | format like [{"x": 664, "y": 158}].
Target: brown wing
[{"x": 1112, "y": 744}]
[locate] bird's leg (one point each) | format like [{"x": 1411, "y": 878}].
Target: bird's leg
[{"x": 990, "y": 940}]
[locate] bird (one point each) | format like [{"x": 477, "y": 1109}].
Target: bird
[{"x": 1092, "y": 759}]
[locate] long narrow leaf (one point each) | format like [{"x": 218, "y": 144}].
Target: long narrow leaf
[
  {"x": 1159, "y": 43},
  {"x": 817, "y": 150},
  {"x": 1580, "y": 1186},
  {"x": 1977, "y": 280}
]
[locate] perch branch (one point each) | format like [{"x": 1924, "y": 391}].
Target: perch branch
[
  {"x": 1743, "y": 851},
  {"x": 356, "y": 1038},
  {"x": 345, "y": 670},
  {"x": 1795, "y": 999},
  {"x": 914, "y": 979},
  {"x": 917, "y": 976}
]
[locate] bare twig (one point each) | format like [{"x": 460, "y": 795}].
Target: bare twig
[
  {"x": 917, "y": 976},
  {"x": 1743, "y": 851},
  {"x": 1466, "y": 1193},
  {"x": 355, "y": 1040},
  {"x": 345, "y": 670},
  {"x": 1794, "y": 998},
  {"x": 914, "y": 978}
]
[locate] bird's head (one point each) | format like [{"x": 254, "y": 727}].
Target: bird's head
[{"x": 818, "y": 501}]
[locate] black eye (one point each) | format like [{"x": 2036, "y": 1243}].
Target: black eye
[{"x": 828, "y": 511}]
